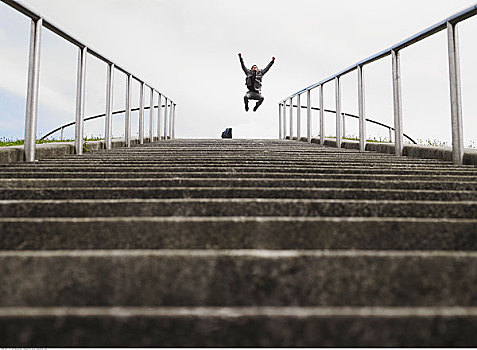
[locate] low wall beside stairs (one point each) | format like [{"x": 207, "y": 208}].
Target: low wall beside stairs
[
  {"x": 415, "y": 151},
  {"x": 57, "y": 149}
]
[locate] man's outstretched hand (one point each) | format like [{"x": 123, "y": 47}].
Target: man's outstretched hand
[
  {"x": 240, "y": 55},
  {"x": 273, "y": 58}
]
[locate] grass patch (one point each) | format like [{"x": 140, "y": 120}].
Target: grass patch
[
  {"x": 426, "y": 142},
  {"x": 429, "y": 142},
  {"x": 355, "y": 138},
  {"x": 6, "y": 142}
]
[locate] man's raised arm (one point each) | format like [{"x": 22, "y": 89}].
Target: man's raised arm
[
  {"x": 243, "y": 64},
  {"x": 265, "y": 70}
]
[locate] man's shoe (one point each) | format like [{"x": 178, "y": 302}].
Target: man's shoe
[
  {"x": 255, "y": 108},
  {"x": 246, "y": 108}
]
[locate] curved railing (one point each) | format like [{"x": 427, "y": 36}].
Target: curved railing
[
  {"x": 449, "y": 24},
  {"x": 37, "y": 22},
  {"x": 64, "y": 126},
  {"x": 343, "y": 114}
]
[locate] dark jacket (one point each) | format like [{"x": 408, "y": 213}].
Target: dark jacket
[{"x": 257, "y": 82}]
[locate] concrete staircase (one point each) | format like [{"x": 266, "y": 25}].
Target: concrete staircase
[{"x": 237, "y": 243}]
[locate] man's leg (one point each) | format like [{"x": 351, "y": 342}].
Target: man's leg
[
  {"x": 259, "y": 102},
  {"x": 245, "y": 100}
]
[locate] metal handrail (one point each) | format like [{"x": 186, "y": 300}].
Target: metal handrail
[
  {"x": 37, "y": 22},
  {"x": 450, "y": 24},
  {"x": 61, "y": 128},
  {"x": 390, "y": 128}
]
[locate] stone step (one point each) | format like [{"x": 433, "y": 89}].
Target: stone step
[
  {"x": 224, "y": 192},
  {"x": 258, "y": 167},
  {"x": 346, "y": 182},
  {"x": 238, "y": 243},
  {"x": 239, "y": 327},
  {"x": 9, "y": 172},
  {"x": 273, "y": 152},
  {"x": 246, "y": 160},
  {"x": 237, "y": 278},
  {"x": 254, "y": 156},
  {"x": 238, "y": 233},
  {"x": 250, "y": 176},
  {"x": 237, "y": 207}
]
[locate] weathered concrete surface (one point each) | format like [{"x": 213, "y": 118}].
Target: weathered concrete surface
[
  {"x": 237, "y": 278},
  {"x": 56, "y": 150},
  {"x": 239, "y": 327},
  {"x": 145, "y": 180},
  {"x": 244, "y": 192},
  {"x": 236, "y": 207},
  {"x": 238, "y": 233},
  {"x": 351, "y": 249},
  {"x": 415, "y": 151}
]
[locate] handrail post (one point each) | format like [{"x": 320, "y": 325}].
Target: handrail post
[
  {"x": 159, "y": 116},
  {"x": 344, "y": 124},
  {"x": 361, "y": 110},
  {"x": 109, "y": 105},
  {"x": 151, "y": 116},
  {"x": 455, "y": 94},
  {"x": 174, "y": 122},
  {"x": 397, "y": 97},
  {"x": 291, "y": 118},
  {"x": 280, "y": 121},
  {"x": 80, "y": 98},
  {"x": 309, "y": 124},
  {"x": 127, "y": 118},
  {"x": 338, "y": 111},
  {"x": 298, "y": 117},
  {"x": 33, "y": 88},
  {"x": 171, "y": 115},
  {"x": 141, "y": 113},
  {"x": 284, "y": 125},
  {"x": 322, "y": 116},
  {"x": 165, "y": 118}
]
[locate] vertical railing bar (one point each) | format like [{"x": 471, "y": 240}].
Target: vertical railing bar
[
  {"x": 322, "y": 115},
  {"x": 109, "y": 106},
  {"x": 298, "y": 117},
  {"x": 361, "y": 110},
  {"x": 165, "y": 118},
  {"x": 344, "y": 125},
  {"x": 284, "y": 120},
  {"x": 455, "y": 94},
  {"x": 159, "y": 116},
  {"x": 80, "y": 100},
  {"x": 309, "y": 123},
  {"x": 284, "y": 107},
  {"x": 151, "y": 116},
  {"x": 280, "y": 121},
  {"x": 291, "y": 118},
  {"x": 127, "y": 118},
  {"x": 338, "y": 111},
  {"x": 170, "y": 119},
  {"x": 62, "y": 136},
  {"x": 397, "y": 98},
  {"x": 33, "y": 88},
  {"x": 174, "y": 122},
  {"x": 141, "y": 113}
]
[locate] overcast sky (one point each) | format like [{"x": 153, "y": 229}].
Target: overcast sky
[{"x": 188, "y": 49}]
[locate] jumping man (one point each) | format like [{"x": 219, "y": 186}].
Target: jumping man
[{"x": 254, "y": 83}]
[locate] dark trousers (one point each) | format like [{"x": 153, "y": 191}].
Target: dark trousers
[{"x": 253, "y": 95}]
